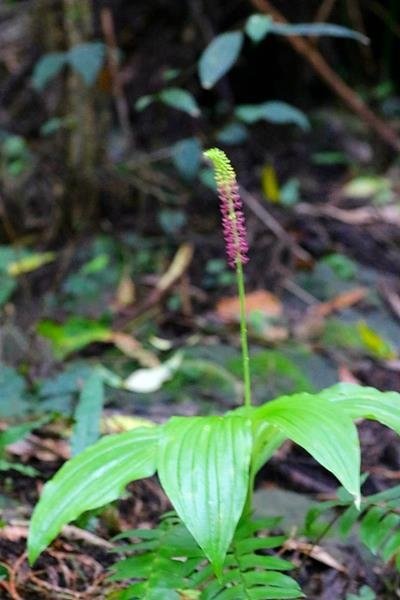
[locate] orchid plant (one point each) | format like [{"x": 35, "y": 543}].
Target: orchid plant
[{"x": 207, "y": 465}]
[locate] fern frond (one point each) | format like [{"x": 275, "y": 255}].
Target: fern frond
[
  {"x": 167, "y": 563},
  {"x": 378, "y": 520},
  {"x": 163, "y": 563},
  {"x": 247, "y": 573}
]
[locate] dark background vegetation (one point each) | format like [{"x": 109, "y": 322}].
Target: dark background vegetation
[{"x": 100, "y": 195}]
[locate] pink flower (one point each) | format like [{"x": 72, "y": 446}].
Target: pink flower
[{"x": 233, "y": 221}]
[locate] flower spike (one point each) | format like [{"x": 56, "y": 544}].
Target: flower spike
[{"x": 233, "y": 222}]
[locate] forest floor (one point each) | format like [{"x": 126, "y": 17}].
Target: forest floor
[{"x": 323, "y": 306}]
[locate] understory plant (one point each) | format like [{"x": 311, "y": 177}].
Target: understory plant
[
  {"x": 211, "y": 547},
  {"x": 377, "y": 522}
]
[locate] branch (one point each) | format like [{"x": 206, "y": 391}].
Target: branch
[{"x": 336, "y": 83}]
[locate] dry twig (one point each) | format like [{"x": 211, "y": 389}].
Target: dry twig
[
  {"x": 121, "y": 105},
  {"x": 271, "y": 223},
  {"x": 324, "y": 11}
]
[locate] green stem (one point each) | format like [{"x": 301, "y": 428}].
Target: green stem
[{"x": 243, "y": 335}]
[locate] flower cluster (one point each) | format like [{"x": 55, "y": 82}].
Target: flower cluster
[{"x": 233, "y": 222}]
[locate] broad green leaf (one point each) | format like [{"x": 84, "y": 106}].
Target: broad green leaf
[
  {"x": 318, "y": 29},
  {"x": 329, "y": 436},
  {"x": 87, "y": 60},
  {"x": 74, "y": 334},
  {"x": 95, "y": 477},
  {"x": 233, "y": 133},
  {"x": 181, "y": 100},
  {"x": 186, "y": 156},
  {"x": 219, "y": 56},
  {"x": 204, "y": 468},
  {"x": 274, "y": 112},
  {"x": 47, "y": 68},
  {"x": 267, "y": 439},
  {"x": 366, "y": 402},
  {"x": 88, "y": 414},
  {"x": 257, "y": 26}
]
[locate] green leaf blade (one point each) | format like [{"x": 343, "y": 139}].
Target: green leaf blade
[
  {"x": 88, "y": 413},
  {"x": 258, "y": 26},
  {"x": 218, "y": 58},
  {"x": 366, "y": 402},
  {"x": 47, "y": 67},
  {"x": 87, "y": 60},
  {"x": 277, "y": 112},
  {"x": 204, "y": 469},
  {"x": 92, "y": 479},
  {"x": 181, "y": 100},
  {"x": 186, "y": 156},
  {"x": 329, "y": 436}
]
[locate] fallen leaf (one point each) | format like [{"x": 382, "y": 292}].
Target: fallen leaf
[
  {"x": 309, "y": 327},
  {"x": 160, "y": 343},
  {"x": 346, "y": 376},
  {"x": 177, "y": 268},
  {"x": 134, "y": 349},
  {"x": 340, "y": 302},
  {"x": 118, "y": 423},
  {"x": 275, "y": 333},
  {"x": 30, "y": 263},
  {"x": 315, "y": 552},
  {"x": 269, "y": 183},
  {"x": 228, "y": 309},
  {"x": 374, "y": 342},
  {"x": 44, "y": 449},
  {"x": 126, "y": 292},
  {"x": 146, "y": 381},
  {"x": 13, "y": 533}
]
